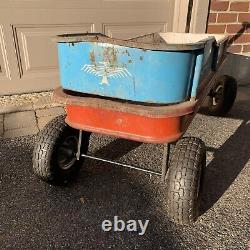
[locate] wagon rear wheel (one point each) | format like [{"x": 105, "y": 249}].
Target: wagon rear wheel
[
  {"x": 221, "y": 97},
  {"x": 184, "y": 180},
  {"x": 54, "y": 155}
]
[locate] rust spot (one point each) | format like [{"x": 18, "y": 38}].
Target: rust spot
[
  {"x": 92, "y": 57},
  {"x": 110, "y": 56},
  {"x": 125, "y": 52}
]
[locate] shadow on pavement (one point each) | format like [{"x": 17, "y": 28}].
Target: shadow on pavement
[
  {"x": 231, "y": 157},
  {"x": 121, "y": 146}
]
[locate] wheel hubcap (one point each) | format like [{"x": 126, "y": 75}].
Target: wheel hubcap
[
  {"x": 66, "y": 155},
  {"x": 217, "y": 94}
]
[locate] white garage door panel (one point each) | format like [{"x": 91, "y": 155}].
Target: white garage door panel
[
  {"x": 28, "y": 56},
  {"x": 85, "y": 4},
  {"x": 4, "y": 68},
  {"x": 37, "y": 51}
]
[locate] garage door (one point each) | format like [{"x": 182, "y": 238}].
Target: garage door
[{"x": 28, "y": 57}]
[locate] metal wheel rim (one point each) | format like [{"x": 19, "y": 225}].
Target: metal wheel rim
[
  {"x": 218, "y": 93},
  {"x": 66, "y": 153}
]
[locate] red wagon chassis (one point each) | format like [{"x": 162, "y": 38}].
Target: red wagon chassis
[
  {"x": 158, "y": 126},
  {"x": 125, "y": 125}
]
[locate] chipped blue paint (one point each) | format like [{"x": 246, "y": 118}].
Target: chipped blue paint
[{"x": 129, "y": 73}]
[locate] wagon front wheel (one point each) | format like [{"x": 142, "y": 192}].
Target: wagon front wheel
[
  {"x": 184, "y": 180},
  {"x": 54, "y": 155}
]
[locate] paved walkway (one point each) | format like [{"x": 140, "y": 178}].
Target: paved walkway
[{"x": 29, "y": 118}]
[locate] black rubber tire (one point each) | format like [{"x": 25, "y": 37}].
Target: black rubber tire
[
  {"x": 184, "y": 180},
  {"x": 225, "y": 99},
  {"x": 45, "y": 154}
]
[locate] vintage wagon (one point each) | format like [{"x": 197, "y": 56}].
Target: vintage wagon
[{"x": 146, "y": 89}]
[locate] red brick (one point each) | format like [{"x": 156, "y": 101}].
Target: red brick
[
  {"x": 212, "y": 18},
  {"x": 244, "y": 17},
  {"x": 226, "y": 18},
  {"x": 234, "y": 48},
  {"x": 244, "y": 38},
  {"x": 246, "y": 48},
  {"x": 235, "y": 28},
  {"x": 219, "y": 5},
  {"x": 247, "y": 29},
  {"x": 217, "y": 29},
  {"x": 239, "y": 6}
]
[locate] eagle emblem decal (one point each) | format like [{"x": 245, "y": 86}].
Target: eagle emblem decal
[{"x": 105, "y": 71}]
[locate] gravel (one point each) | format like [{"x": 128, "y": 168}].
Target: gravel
[
  {"x": 17, "y": 100},
  {"x": 35, "y": 215}
]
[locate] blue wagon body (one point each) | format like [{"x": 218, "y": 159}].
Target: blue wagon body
[{"x": 148, "y": 75}]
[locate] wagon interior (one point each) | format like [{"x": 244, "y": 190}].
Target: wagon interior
[
  {"x": 177, "y": 38},
  {"x": 167, "y": 40}
]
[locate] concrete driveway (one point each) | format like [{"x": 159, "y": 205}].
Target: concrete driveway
[{"x": 35, "y": 215}]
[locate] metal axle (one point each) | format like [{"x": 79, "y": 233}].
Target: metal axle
[
  {"x": 121, "y": 164},
  {"x": 164, "y": 161}
]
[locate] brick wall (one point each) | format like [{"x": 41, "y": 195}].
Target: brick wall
[{"x": 231, "y": 17}]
